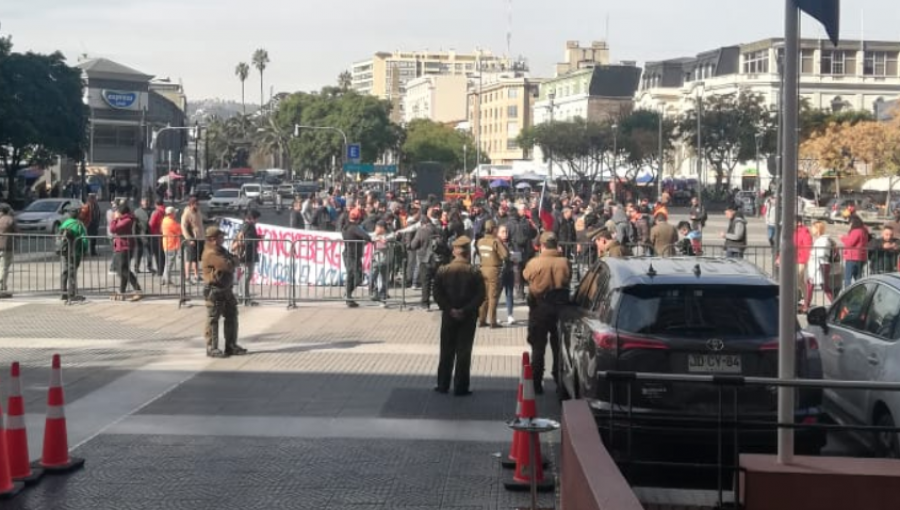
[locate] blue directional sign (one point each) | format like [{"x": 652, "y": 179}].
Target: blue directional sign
[
  {"x": 354, "y": 152},
  {"x": 359, "y": 168},
  {"x": 385, "y": 169}
]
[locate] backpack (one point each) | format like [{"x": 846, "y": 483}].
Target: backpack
[{"x": 439, "y": 249}]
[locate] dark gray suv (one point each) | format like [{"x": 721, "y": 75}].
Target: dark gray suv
[{"x": 690, "y": 315}]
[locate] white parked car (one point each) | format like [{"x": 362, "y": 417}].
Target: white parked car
[
  {"x": 268, "y": 193},
  {"x": 252, "y": 191},
  {"x": 45, "y": 215},
  {"x": 228, "y": 199}
]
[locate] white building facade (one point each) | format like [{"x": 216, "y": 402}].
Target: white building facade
[
  {"x": 440, "y": 98},
  {"x": 855, "y": 75}
]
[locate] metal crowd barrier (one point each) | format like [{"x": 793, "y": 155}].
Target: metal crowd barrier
[{"x": 724, "y": 426}]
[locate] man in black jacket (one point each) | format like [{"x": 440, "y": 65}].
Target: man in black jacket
[
  {"x": 564, "y": 228},
  {"x": 428, "y": 244},
  {"x": 142, "y": 236},
  {"x": 250, "y": 238},
  {"x": 355, "y": 241}
]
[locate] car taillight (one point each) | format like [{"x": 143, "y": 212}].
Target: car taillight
[{"x": 607, "y": 341}]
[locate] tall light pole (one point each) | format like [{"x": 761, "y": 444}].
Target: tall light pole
[
  {"x": 615, "y": 164},
  {"x": 659, "y": 172},
  {"x": 477, "y": 117},
  {"x": 700, "y": 139},
  {"x": 150, "y": 173},
  {"x": 298, "y": 127},
  {"x": 551, "y": 96}
]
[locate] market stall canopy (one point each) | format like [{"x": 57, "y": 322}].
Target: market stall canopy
[
  {"x": 882, "y": 184},
  {"x": 373, "y": 180},
  {"x": 277, "y": 172},
  {"x": 530, "y": 177},
  {"x": 523, "y": 185},
  {"x": 400, "y": 179}
]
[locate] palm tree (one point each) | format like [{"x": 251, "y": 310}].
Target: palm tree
[
  {"x": 345, "y": 81},
  {"x": 260, "y": 61},
  {"x": 272, "y": 138},
  {"x": 242, "y": 71}
]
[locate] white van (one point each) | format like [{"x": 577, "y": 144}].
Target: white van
[{"x": 252, "y": 191}]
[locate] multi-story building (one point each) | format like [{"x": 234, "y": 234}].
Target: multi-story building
[
  {"x": 440, "y": 98},
  {"x": 386, "y": 75},
  {"x": 856, "y": 74},
  {"x": 501, "y": 105},
  {"x": 580, "y": 57},
  {"x": 594, "y": 94},
  {"x": 126, "y": 107}
]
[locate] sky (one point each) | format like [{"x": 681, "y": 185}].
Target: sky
[{"x": 199, "y": 42}]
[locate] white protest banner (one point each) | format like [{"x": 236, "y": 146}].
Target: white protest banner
[{"x": 303, "y": 257}]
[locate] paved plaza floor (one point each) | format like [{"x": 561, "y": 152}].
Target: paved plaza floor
[{"x": 332, "y": 409}]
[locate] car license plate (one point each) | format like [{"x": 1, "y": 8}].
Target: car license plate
[{"x": 714, "y": 363}]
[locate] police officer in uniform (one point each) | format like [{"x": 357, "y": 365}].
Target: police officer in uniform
[
  {"x": 459, "y": 292},
  {"x": 218, "y": 276},
  {"x": 493, "y": 254},
  {"x": 548, "y": 278}
]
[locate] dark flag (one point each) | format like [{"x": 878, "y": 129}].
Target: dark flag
[{"x": 828, "y": 12}]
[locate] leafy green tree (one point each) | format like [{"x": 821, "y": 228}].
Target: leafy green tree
[
  {"x": 426, "y": 140},
  {"x": 273, "y": 138},
  {"x": 639, "y": 140},
  {"x": 815, "y": 121},
  {"x": 730, "y": 125},
  {"x": 260, "y": 62},
  {"x": 242, "y": 71},
  {"x": 345, "y": 81},
  {"x": 42, "y": 114}
]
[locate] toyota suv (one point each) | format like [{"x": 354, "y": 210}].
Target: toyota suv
[{"x": 681, "y": 315}]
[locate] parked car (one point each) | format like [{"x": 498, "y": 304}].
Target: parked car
[
  {"x": 680, "y": 315},
  {"x": 858, "y": 338},
  {"x": 203, "y": 191},
  {"x": 268, "y": 193},
  {"x": 252, "y": 191},
  {"x": 45, "y": 215},
  {"x": 228, "y": 199},
  {"x": 285, "y": 190}
]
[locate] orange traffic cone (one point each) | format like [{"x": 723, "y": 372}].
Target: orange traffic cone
[
  {"x": 8, "y": 488},
  {"x": 55, "y": 458},
  {"x": 16, "y": 435},
  {"x": 528, "y": 462},
  {"x": 510, "y": 461}
]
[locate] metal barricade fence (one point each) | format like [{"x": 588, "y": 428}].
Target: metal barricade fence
[
  {"x": 728, "y": 429},
  {"x": 307, "y": 270}
]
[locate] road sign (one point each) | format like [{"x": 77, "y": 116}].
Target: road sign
[
  {"x": 354, "y": 152},
  {"x": 359, "y": 168}
]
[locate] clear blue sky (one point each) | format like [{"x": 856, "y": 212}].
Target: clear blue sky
[{"x": 310, "y": 43}]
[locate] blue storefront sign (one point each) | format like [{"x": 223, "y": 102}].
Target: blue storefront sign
[{"x": 118, "y": 99}]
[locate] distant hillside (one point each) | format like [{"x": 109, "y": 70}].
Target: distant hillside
[{"x": 205, "y": 108}]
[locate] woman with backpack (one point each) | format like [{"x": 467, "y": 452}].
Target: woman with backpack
[{"x": 818, "y": 271}]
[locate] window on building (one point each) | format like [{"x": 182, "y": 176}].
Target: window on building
[
  {"x": 838, "y": 63},
  {"x": 512, "y": 144},
  {"x": 880, "y": 63},
  {"x": 756, "y": 62},
  {"x": 513, "y": 93},
  {"x": 806, "y": 61},
  {"x": 116, "y": 136},
  {"x": 512, "y": 111}
]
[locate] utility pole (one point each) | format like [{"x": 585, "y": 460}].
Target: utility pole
[
  {"x": 659, "y": 172},
  {"x": 703, "y": 182},
  {"x": 197, "y": 150},
  {"x": 551, "y": 96}
]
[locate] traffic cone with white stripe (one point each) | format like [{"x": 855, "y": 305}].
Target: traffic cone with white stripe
[
  {"x": 510, "y": 461},
  {"x": 525, "y": 468},
  {"x": 16, "y": 435},
  {"x": 8, "y": 487},
  {"x": 56, "y": 458}
]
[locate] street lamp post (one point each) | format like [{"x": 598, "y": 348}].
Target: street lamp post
[
  {"x": 298, "y": 127},
  {"x": 613, "y": 174},
  {"x": 659, "y": 172},
  {"x": 703, "y": 184},
  {"x": 551, "y": 96},
  {"x": 149, "y": 173}
]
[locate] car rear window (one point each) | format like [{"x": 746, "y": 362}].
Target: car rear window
[{"x": 688, "y": 311}]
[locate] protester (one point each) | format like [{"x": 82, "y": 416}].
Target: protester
[
  {"x": 7, "y": 248},
  {"x": 818, "y": 270},
  {"x": 171, "y": 244},
  {"x": 854, "y": 253}
]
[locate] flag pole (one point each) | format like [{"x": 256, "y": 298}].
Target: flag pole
[{"x": 788, "y": 273}]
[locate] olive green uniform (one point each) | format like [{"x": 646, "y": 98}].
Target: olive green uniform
[
  {"x": 492, "y": 254},
  {"x": 457, "y": 286},
  {"x": 218, "y": 275}
]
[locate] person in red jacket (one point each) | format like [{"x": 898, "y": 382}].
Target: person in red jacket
[
  {"x": 156, "y": 221},
  {"x": 803, "y": 241},
  {"x": 854, "y": 252},
  {"x": 122, "y": 228}
]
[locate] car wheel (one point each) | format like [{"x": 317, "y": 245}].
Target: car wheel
[
  {"x": 887, "y": 443},
  {"x": 55, "y": 228}
]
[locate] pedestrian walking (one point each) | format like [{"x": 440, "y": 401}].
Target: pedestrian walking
[
  {"x": 91, "y": 219},
  {"x": 459, "y": 292},
  {"x": 7, "y": 248},
  {"x": 493, "y": 255},
  {"x": 355, "y": 240},
  {"x": 122, "y": 229},
  {"x": 697, "y": 215},
  {"x": 72, "y": 245},
  {"x": 854, "y": 253},
  {"x": 142, "y": 240},
  {"x": 171, "y": 244},
  {"x": 548, "y": 278},
  {"x": 430, "y": 245},
  {"x": 820, "y": 265},
  {"x": 507, "y": 276},
  {"x": 218, "y": 279},
  {"x": 156, "y": 241}
]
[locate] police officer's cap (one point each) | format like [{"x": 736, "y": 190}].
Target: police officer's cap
[
  {"x": 462, "y": 242},
  {"x": 549, "y": 240},
  {"x": 213, "y": 232},
  {"x": 489, "y": 225}
]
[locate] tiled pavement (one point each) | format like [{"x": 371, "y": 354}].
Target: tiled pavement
[{"x": 332, "y": 409}]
